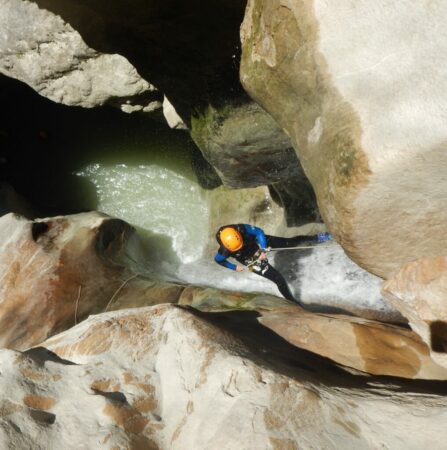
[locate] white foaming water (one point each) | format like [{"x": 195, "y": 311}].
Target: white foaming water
[
  {"x": 320, "y": 277},
  {"x": 155, "y": 198},
  {"x": 173, "y": 210}
]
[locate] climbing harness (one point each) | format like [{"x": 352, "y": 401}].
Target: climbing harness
[{"x": 257, "y": 265}]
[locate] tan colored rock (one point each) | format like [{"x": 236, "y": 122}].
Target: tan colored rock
[
  {"x": 366, "y": 345},
  {"x": 162, "y": 377},
  {"x": 419, "y": 292},
  {"x": 57, "y": 271},
  {"x": 360, "y": 92},
  {"x": 372, "y": 347}
]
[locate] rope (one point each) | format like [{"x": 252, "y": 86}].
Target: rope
[
  {"x": 116, "y": 292},
  {"x": 77, "y": 304},
  {"x": 298, "y": 248}
]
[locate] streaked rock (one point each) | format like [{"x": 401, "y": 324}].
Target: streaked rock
[
  {"x": 57, "y": 271},
  {"x": 359, "y": 90},
  {"x": 162, "y": 377},
  {"x": 418, "y": 291},
  {"x": 372, "y": 347},
  {"x": 366, "y": 345}
]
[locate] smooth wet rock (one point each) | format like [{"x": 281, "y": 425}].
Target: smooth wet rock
[
  {"x": 162, "y": 377},
  {"x": 47, "y": 53},
  {"x": 297, "y": 197},
  {"x": 359, "y": 89},
  {"x": 366, "y": 345},
  {"x": 418, "y": 291},
  {"x": 57, "y": 271},
  {"x": 372, "y": 347}
]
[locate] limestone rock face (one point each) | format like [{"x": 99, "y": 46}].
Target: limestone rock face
[
  {"x": 372, "y": 347},
  {"x": 161, "y": 377},
  {"x": 418, "y": 291},
  {"x": 57, "y": 271},
  {"x": 360, "y": 92},
  {"x": 189, "y": 51},
  {"x": 366, "y": 345},
  {"x": 40, "y": 49}
]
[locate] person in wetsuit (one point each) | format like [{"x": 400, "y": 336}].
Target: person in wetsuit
[{"x": 248, "y": 244}]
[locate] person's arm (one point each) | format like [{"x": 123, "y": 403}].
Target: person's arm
[
  {"x": 259, "y": 234},
  {"x": 222, "y": 260}
]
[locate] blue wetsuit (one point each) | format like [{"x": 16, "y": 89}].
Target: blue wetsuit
[{"x": 255, "y": 240}]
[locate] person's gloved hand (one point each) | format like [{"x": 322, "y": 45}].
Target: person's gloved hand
[
  {"x": 239, "y": 269},
  {"x": 324, "y": 237},
  {"x": 262, "y": 256}
]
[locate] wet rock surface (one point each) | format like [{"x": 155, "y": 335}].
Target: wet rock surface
[{"x": 365, "y": 345}]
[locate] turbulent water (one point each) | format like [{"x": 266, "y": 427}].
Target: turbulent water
[
  {"x": 156, "y": 199},
  {"x": 137, "y": 169},
  {"x": 171, "y": 210}
]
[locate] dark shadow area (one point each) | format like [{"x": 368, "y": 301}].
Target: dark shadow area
[
  {"x": 164, "y": 38},
  {"x": 273, "y": 352},
  {"x": 438, "y": 336},
  {"x": 44, "y": 417},
  {"x": 113, "y": 396},
  {"x": 41, "y": 354},
  {"x": 298, "y": 199},
  {"x": 38, "y": 229},
  {"x": 43, "y": 145}
]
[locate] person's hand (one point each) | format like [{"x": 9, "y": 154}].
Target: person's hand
[
  {"x": 239, "y": 269},
  {"x": 262, "y": 256}
]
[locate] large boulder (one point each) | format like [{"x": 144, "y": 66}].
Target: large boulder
[
  {"x": 42, "y": 50},
  {"x": 247, "y": 148},
  {"x": 372, "y": 347},
  {"x": 418, "y": 291},
  {"x": 162, "y": 377},
  {"x": 360, "y": 91},
  {"x": 245, "y": 145},
  {"x": 57, "y": 271},
  {"x": 365, "y": 345},
  {"x": 190, "y": 52}
]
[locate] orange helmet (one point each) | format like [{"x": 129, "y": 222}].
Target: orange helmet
[{"x": 231, "y": 239}]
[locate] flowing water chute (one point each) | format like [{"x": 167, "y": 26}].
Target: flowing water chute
[
  {"x": 167, "y": 206},
  {"x": 172, "y": 215}
]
